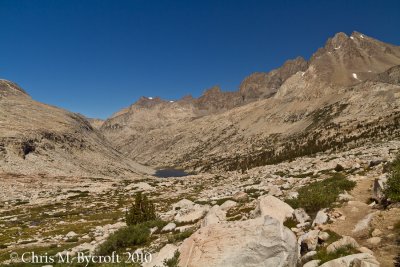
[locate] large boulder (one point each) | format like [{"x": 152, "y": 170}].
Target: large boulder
[
  {"x": 263, "y": 241},
  {"x": 215, "y": 215},
  {"x": 274, "y": 207},
  {"x": 355, "y": 260}
]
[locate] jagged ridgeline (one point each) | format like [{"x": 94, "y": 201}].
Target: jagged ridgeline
[{"x": 346, "y": 95}]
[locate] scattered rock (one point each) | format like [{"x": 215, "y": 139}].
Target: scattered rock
[
  {"x": 308, "y": 256},
  {"x": 363, "y": 224},
  {"x": 323, "y": 236},
  {"x": 345, "y": 241},
  {"x": 365, "y": 250},
  {"x": 379, "y": 188},
  {"x": 215, "y": 215},
  {"x": 183, "y": 204},
  {"x": 274, "y": 207},
  {"x": 169, "y": 227},
  {"x": 376, "y": 233},
  {"x": 359, "y": 260},
  {"x": 309, "y": 240},
  {"x": 275, "y": 191},
  {"x": 301, "y": 215},
  {"x": 345, "y": 196},
  {"x": 374, "y": 241},
  {"x": 374, "y": 163},
  {"x": 263, "y": 241},
  {"x": 293, "y": 195},
  {"x": 228, "y": 204},
  {"x": 240, "y": 197},
  {"x": 191, "y": 214},
  {"x": 321, "y": 218},
  {"x": 71, "y": 234}
]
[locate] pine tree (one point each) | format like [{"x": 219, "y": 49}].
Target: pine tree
[{"x": 142, "y": 210}]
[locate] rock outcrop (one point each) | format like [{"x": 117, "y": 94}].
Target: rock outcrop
[
  {"x": 257, "y": 242},
  {"x": 36, "y": 138}
]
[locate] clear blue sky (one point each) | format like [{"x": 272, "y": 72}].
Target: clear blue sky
[{"x": 96, "y": 57}]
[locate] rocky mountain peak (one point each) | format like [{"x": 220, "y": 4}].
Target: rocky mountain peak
[
  {"x": 339, "y": 39},
  {"x": 266, "y": 84},
  {"x": 148, "y": 102}
]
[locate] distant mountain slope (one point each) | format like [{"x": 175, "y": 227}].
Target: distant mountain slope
[
  {"x": 37, "y": 138},
  {"x": 334, "y": 100}
]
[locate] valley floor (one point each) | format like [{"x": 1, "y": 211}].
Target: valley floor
[{"x": 59, "y": 214}]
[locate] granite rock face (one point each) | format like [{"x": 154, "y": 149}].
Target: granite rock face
[{"x": 256, "y": 242}]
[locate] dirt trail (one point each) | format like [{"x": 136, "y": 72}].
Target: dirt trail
[{"x": 361, "y": 219}]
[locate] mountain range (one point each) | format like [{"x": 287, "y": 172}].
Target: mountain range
[{"x": 345, "y": 95}]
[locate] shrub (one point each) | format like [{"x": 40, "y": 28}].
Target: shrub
[
  {"x": 324, "y": 256},
  {"x": 180, "y": 236},
  {"x": 290, "y": 223},
  {"x": 321, "y": 194},
  {"x": 339, "y": 168},
  {"x": 133, "y": 235},
  {"x": 392, "y": 190},
  {"x": 142, "y": 210},
  {"x": 174, "y": 261}
]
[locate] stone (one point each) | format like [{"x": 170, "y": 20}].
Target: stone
[
  {"x": 143, "y": 186},
  {"x": 306, "y": 257},
  {"x": 320, "y": 218},
  {"x": 376, "y": 233},
  {"x": 190, "y": 213},
  {"x": 275, "y": 191},
  {"x": 183, "y": 204},
  {"x": 345, "y": 196},
  {"x": 262, "y": 241},
  {"x": 345, "y": 241},
  {"x": 274, "y": 207},
  {"x": 378, "y": 189},
  {"x": 214, "y": 215},
  {"x": 169, "y": 227},
  {"x": 293, "y": 195},
  {"x": 167, "y": 252},
  {"x": 374, "y": 241},
  {"x": 365, "y": 250},
  {"x": 301, "y": 215},
  {"x": 323, "y": 236},
  {"x": 71, "y": 234},
  {"x": 363, "y": 224},
  {"x": 240, "y": 197},
  {"x": 355, "y": 260},
  {"x": 303, "y": 225},
  {"x": 228, "y": 204},
  {"x": 309, "y": 240}
]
